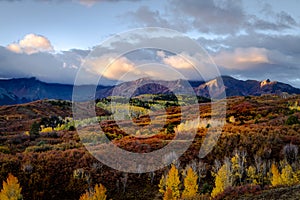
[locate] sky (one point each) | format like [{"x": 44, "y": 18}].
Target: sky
[{"x": 52, "y": 39}]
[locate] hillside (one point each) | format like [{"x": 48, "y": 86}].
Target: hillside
[
  {"x": 257, "y": 125},
  {"x": 25, "y": 90}
]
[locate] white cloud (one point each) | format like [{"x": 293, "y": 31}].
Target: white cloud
[
  {"x": 112, "y": 67},
  {"x": 178, "y": 62},
  {"x": 242, "y": 58},
  {"x": 88, "y": 2},
  {"x": 31, "y": 44},
  {"x": 15, "y": 48},
  {"x": 160, "y": 54}
]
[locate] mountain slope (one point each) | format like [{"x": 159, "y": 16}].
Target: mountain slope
[
  {"x": 235, "y": 87},
  {"x": 24, "y": 90}
]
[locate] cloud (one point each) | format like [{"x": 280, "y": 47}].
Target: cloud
[
  {"x": 204, "y": 16},
  {"x": 31, "y": 44},
  {"x": 168, "y": 48},
  {"x": 217, "y": 17},
  {"x": 15, "y": 48},
  {"x": 90, "y": 3},
  {"x": 147, "y": 17},
  {"x": 121, "y": 69},
  {"x": 287, "y": 44},
  {"x": 242, "y": 58},
  {"x": 113, "y": 67},
  {"x": 83, "y": 2},
  {"x": 177, "y": 61},
  {"x": 48, "y": 67}
]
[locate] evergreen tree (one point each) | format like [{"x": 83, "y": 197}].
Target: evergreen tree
[{"x": 34, "y": 130}]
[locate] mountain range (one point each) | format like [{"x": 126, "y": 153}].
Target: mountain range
[{"x": 23, "y": 90}]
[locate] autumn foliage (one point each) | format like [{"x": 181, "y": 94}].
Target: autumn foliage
[
  {"x": 190, "y": 184},
  {"x": 257, "y": 125},
  {"x": 98, "y": 193},
  {"x": 169, "y": 185},
  {"x": 11, "y": 189}
]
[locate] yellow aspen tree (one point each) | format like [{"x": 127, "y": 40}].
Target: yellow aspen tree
[
  {"x": 251, "y": 175},
  {"x": 162, "y": 185},
  {"x": 97, "y": 194},
  {"x": 168, "y": 194},
  {"x": 236, "y": 175},
  {"x": 171, "y": 181},
  {"x": 86, "y": 196},
  {"x": 276, "y": 177},
  {"x": 11, "y": 189},
  {"x": 190, "y": 184},
  {"x": 222, "y": 180},
  {"x": 288, "y": 176}
]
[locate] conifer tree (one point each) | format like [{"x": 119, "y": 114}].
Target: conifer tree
[{"x": 34, "y": 130}]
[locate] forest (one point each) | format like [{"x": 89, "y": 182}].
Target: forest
[{"x": 44, "y": 157}]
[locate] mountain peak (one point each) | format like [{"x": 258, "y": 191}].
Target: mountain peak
[
  {"x": 266, "y": 82},
  {"x": 28, "y": 89}
]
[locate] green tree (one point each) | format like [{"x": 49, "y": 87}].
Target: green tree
[
  {"x": 11, "y": 189},
  {"x": 34, "y": 130},
  {"x": 292, "y": 120}
]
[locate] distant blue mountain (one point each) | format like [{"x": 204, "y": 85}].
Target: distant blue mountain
[{"x": 22, "y": 90}]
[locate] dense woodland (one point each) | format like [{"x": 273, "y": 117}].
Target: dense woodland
[{"x": 43, "y": 157}]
